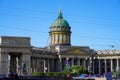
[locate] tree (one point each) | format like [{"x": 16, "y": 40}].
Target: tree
[{"x": 76, "y": 70}]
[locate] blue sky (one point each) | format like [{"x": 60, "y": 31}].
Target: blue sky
[{"x": 94, "y": 23}]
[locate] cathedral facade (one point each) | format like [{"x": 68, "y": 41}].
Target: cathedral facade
[{"x": 18, "y": 56}]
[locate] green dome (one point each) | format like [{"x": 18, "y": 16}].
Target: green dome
[{"x": 60, "y": 22}]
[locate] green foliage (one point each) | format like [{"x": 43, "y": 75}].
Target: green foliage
[
  {"x": 64, "y": 73},
  {"x": 48, "y": 74},
  {"x": 76, "y": 70},
  {"x": 73, "y": 71},
  {"x": 37, "y": 74},
  {"x": 56, "y": 74},
  {"x": 116, "y": 73}
]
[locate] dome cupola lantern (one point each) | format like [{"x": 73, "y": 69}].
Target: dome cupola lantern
[
  {"x": 60, "y": 14},
  {"x": 60, "y": 31}
]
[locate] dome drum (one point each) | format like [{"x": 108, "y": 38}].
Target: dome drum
[
  {"x": 60, "y": 32},
  {"x": 52, "y": 29}
]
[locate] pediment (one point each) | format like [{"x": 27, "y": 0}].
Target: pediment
[
  {"x": 74, "y": 51},
  {"x": 77, "y": 51}
]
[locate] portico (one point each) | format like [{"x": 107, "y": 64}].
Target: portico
[{"x": 14, "y": 52}]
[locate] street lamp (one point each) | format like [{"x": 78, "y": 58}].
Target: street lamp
[{"x": 45, "y": 69}]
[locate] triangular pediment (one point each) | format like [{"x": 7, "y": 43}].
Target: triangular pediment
[
  {"x": 74, "y": 51},
  {"x": 77, "y": 51}
]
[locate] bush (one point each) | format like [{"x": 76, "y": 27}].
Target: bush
[
  {"x": 48, "y": 74},
  {"x": 37, "y": 74},
  {"x": 76, "y": 70},
  {"x": 73, "y": 71}
]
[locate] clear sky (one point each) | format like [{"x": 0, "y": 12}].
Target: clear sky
[{"x": 94, "y": 23}]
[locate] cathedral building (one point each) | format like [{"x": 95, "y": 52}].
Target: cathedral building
[{"x": 18, "y": 56}]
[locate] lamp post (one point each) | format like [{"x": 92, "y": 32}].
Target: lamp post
[{"x": 45, "y": 69}]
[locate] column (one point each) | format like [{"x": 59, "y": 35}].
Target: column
[
  {"x": 60, "y": 38},
  {"x": 87, "y": 63},
  {"x": 19, "y": 65},
  {"x": 44, "y": 65},
  {"x": 3, "y": 63},
  {"x": 54, "y": 39},
  {"x": 60, "y": 63},
  {"x": 13, "y": 63},
  {"x": 99, "y": 66},
  {"x": 48, "y": 60},
  {"x": 111, "y": 62},
  {"x": 38, "y": 65},
  {"x": 117, "y": 67},
  {"x": 64, "y": 38},
  {"x": 69, "y": 38},
  {"x": 90, "y": 64},
  {"x": 26, "y": 64},
  {"x": 57, "y": 41},
  {"x": 34, "y": 64},
  {"x": 93, "y": 65},
  {"x": 105, "y": 65},
  {"x": 78, "y": 61},
  {"x": 52, "y": 65},
  {"x": 84, "y": 63},
  {"x": 31, "y": 67},
  {"x": 50, "y": 38},
  {"x": 72, "y": 61},
  {"x": 19, "y": 60}
]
